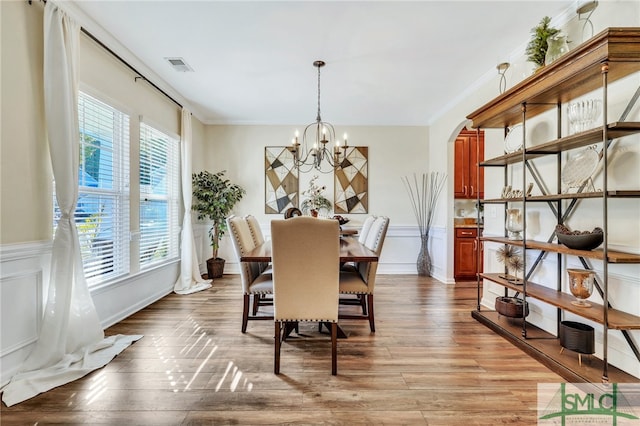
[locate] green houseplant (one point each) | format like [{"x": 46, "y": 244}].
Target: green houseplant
[
  {"x": 538, "y": 45},
  {"x": 215, "y": 196}
]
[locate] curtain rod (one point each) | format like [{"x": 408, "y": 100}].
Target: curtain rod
[
  {"x": 131, "y": 67},
  {"x": 105, "y": 47}
]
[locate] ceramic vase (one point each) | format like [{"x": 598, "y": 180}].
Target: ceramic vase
[{"x": 423, "y": 263}]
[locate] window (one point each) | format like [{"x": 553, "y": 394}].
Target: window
[
  {"x": 159, "y": 196},
  {"x": 102, "y": 212}
]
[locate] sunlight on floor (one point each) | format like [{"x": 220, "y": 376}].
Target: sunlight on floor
[
  {"x": 97, "y": 388},
  {"x": 194, "y": 335}
]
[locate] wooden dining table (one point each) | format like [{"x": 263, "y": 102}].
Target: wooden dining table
[{"x": 351, "y": 250}]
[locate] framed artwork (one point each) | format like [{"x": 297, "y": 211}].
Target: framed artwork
[
  {"x": 280, "y": 180},
  {"x": 352, "y": 182}
]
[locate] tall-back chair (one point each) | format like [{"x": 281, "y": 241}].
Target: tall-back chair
[
  {"x": 305, "y": 253},
  {"x": 361, "y": 279},
  {"x": 366, "y": 226},
  {"x": 255, "y": 282}
]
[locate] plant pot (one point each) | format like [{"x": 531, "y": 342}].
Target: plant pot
[
  {"x": 577, "y": 337},
  {"x": 215, "y": 267}
]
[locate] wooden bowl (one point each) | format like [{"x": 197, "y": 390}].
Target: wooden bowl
[{"x": 511, "y": 307}]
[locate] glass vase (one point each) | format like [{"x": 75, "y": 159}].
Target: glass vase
[
  {"x": 514, "y": 224},
  {"x": 581, "y": 285},
  {"x": 423, "y": 263}
]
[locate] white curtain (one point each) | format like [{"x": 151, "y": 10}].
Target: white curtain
[
  {"x": 71, "y": 341},
  {"x": 190, "y": 280}
]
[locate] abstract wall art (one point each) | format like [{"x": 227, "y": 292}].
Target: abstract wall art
[
  {"x": 281, "y": 180},
  {"x": 352, "y": 182}
]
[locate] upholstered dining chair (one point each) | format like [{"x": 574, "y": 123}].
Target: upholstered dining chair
[
  {"x": 256, "y": 282},
  {"x": 258, "y": 239},
  {"x": 305, "y": 253},
  {"x": 366, "y": 227},
  {"x": 361, "y": 278}
]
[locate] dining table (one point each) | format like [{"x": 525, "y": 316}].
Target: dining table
[{"x": 351, "y": 250}]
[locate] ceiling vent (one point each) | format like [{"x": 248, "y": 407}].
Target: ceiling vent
[{"x": 179, "y": 64}]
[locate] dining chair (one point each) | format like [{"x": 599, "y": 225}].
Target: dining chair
[
  {"x": 258, "y": 239},
  {"x": 364, "y": 230},
  {"x": 362, "y": 237},
  {"x": 361, "y": 278},
  {"x": 256, "y": 282},
  {"x": 305, "y": 253}
]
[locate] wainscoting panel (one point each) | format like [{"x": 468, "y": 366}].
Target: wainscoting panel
[
  {"x": 22, "y": 285},
  {"x": 399, "y": 254}
]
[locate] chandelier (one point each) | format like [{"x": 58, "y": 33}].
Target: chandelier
[{"x": 315, "y": 148}]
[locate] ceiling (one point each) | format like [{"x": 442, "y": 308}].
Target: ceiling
[{"x": 388, "y": 62}]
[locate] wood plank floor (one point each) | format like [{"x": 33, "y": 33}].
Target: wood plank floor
[{"x": 429, "y": 363}]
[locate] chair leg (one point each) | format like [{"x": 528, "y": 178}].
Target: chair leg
[
  {"x": 363, "y": 303},
  {"x": 334, "y": 348},
  {"x": 245, "y": 313},
  {"x": 256, "y": 303},
  {"x": 372, "y": 324},
  {"x": 276, "y": 355}
]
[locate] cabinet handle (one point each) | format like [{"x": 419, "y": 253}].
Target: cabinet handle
[
  {"x": 472, "y": 190},
  {"x": 466, "y": 233},
  {"x": 465, "y": 190},
  {"x": 475, "y": 245}
]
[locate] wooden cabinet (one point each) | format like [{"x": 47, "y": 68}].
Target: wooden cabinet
[
  {"x": 468, "y": 178},
  {"x": 466, "y": 254},
  {"x": 590, "y": 67}
]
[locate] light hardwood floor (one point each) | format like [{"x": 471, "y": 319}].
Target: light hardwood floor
[{"x": 428, "y": 362}]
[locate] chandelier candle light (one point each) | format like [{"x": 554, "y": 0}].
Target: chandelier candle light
[{"x": 321, "y": 132}]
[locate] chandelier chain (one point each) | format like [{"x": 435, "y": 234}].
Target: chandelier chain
[{"x": 318, "y": 117}]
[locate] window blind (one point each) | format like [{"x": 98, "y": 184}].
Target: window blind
[
  {"x": 102, "y": 211},
  {"x": 159, "y": 196}
]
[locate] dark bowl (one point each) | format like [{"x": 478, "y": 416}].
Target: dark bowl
[
  {"x": 581, "y": 241},
  {"x": 512, "y": 307}
]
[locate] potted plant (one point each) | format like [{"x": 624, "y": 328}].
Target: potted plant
[
  {"x": 538, "y": 45},
  {"x": 215, "y": 196},
  {"x": 315, "y": 200}
]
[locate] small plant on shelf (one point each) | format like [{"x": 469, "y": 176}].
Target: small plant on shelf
[{"x": 538, "y": 45}]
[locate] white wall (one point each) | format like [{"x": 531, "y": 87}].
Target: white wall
[{"x": 394, "y": 152}]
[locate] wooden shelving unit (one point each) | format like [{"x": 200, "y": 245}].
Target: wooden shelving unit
[
  {"x": 618, "y": 320},
  {"x": 598, "y": 254},
  {"x": 609, "y": 56}
]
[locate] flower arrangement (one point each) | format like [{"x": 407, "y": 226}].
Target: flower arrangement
[{"x": 315, "y": 199}]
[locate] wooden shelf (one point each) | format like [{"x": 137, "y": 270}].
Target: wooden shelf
[
  {"x": 609, "y": 56},
  {"x": 618, "y": 320},
  {"x": 568, "y": 196},
  {"x": 545, "y": 347},
  {"x": 574, "y": 74},
  {"x": 614, "y": 256},
  {"x": 589, "y": 137}
]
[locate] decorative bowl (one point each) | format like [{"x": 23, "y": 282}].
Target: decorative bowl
[
  {"x": 511, "y": 307},
  {"x": 341, "y": 220},
  {"x": 579, "y": 240}
]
